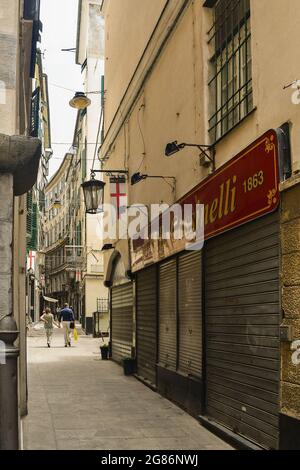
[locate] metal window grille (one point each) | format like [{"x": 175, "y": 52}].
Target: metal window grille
[
  {"x": 102, "y": 305},
  {"x": 230, "y": 83}
]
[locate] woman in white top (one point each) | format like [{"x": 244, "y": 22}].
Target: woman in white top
[{"x": 49, "y": 322}]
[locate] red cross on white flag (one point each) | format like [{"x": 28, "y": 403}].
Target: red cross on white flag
[
  {"x": 31, "y": 260},
  {"x": 118, "y": 195}
]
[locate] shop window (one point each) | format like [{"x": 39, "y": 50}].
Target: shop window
[{"x": 230, "y": 80}]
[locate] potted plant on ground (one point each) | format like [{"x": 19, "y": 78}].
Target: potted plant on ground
[
  {"x": 129, "y": 366},
  {"x": 104, "y": 351}
]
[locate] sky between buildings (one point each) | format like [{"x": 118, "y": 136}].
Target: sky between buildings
[{"x": 59, "y": 18}]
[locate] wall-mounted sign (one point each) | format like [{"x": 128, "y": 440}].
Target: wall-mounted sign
[{"x": 245, "y": 188}]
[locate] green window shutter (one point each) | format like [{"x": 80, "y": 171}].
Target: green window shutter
[
  {"x": 35, "y": 116},
  {"x": 29, "y": 215},
  {"x": 34, "y": 228}
]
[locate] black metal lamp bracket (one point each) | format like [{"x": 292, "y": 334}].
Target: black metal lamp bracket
[{"x": 204, "y": 150}]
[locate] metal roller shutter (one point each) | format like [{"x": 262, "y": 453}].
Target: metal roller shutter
[
  {"x": 147, "y": 324},
  {"x": 167, "y": 315},
  {"x": 242, "y": 330},
  {"x": 122, "y": 321},
  {"x": 190, "y": 313}
]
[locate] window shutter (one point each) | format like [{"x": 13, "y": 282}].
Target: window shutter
[{"x": 29, "y": 215}]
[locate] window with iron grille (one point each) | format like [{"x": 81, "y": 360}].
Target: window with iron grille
[{"x": 230, "y": 80}]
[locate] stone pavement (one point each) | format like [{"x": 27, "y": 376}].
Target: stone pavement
[{"x": 77, "y": 401}]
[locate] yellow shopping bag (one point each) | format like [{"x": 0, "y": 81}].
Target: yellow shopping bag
[{"x": 75, "y": 334}]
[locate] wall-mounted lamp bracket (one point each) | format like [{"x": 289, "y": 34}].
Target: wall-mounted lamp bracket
[{"x": 207, "y": 156}]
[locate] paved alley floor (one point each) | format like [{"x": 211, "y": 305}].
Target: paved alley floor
[{"x": 77, "y": 401}]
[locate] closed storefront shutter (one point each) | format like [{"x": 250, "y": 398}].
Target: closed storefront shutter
[
  {"x": 146, "y": 292},
  {"x": 190, "y": 313},
  {"x": 242, "y": 330},
  {"x": 122, "y": 321},
  {"x": 167, "y": 315}
]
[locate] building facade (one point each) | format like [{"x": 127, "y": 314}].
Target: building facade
[
  {"x": 20, "y": 29},
  {"x": 89, "y": 132},
  {"x": 59, "y": 201},
  {"x": 217, "y": 329},
  {"x": 73, "y": 257},
  {"x": 40, "y": 127}
]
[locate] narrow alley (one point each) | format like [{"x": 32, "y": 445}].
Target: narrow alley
[
  {"x": 79, "y": 402},
  {"x": 150, "y": 203}
]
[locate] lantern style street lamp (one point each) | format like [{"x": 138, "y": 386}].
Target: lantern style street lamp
[{"x": 93, "y": 191}]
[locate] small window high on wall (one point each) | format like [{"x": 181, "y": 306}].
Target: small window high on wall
[{"x": 230, "y": 80}]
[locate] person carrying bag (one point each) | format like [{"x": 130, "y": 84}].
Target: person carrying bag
[{"x": 67, "y": 319}]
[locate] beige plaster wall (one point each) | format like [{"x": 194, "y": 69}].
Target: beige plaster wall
[{"x": 290, "y": 243}]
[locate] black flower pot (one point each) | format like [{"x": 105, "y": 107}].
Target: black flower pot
[
  {"x": 104, "y": 352},
  {"x": 129, "y": 366}
]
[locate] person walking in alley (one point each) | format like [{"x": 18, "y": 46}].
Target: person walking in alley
[
  {"x": 49, "y": 322},
  {"x": 67, "y": 319}
]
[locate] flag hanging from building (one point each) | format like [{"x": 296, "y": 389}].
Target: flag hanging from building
[
  {"x": 118, "y": 194},
  {"x": 31, "y": 260}
]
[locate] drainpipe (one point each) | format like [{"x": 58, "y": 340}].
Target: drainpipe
[{"x": 19, "y": 162}]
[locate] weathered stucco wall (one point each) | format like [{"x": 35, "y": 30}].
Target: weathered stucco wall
[
  {"x": 6, "y": 225},
  {"x": 129, "y": 25},
  {"x": 290, "y": 244},
  {"x": 11, "y": 123},
  {"x": 174, "y": 101},
  {"x": 9, "y": 44}
]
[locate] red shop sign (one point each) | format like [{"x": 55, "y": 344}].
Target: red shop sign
[{"x": 243, "y": 189}]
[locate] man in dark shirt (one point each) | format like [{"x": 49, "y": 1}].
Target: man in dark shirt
[{"x": 66, "y": 317}]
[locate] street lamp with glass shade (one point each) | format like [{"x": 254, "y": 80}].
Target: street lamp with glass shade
[
  {"x": 93, "y": 191},
  {"x": 80, "y": 101}
]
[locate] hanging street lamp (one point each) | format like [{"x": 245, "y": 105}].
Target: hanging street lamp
[
  {"x": 93, "y": 191},
  {"x": 80, "y": 101}
]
